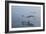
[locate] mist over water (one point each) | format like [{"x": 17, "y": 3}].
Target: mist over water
[{"x": 20, "y": 13}]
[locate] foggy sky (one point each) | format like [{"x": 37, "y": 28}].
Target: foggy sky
[{"x": 18, "y": 11}]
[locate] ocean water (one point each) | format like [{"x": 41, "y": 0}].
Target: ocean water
[{"x": 26, "y": 16}]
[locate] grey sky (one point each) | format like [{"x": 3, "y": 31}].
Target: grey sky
[{"x": 18, "y": 11}]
